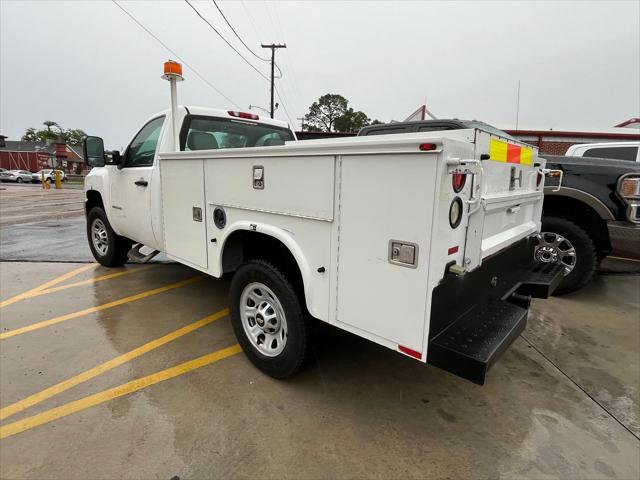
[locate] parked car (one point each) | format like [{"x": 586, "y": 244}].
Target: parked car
[
  {"x": 4, "y": 174},
  {"x": 19, "y": 176},
  {"x": 595, "y": 213},
  {"x": 629, "y": 151},
  {"x": 48, "y": 176}
]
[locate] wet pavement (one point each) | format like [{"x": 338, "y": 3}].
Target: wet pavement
[
  {"x": 171, "y": 397},
  {"x": 30, "y": 203}
]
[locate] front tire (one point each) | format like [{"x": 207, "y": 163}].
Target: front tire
[
  {"x": 269, "y": 319},
  {"x": 566, "y": 243},
  {"x": 107, "y": 247},
  {"x": 19, "y": 180}
]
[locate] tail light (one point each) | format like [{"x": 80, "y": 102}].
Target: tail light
[
  {"x": 246, "y": 115},
  {"x": 455, "y": 212},
  {"x": 426, "y": 147},
  {"x": 539, "y": 179},
  {"x": 459, "y": 179}
]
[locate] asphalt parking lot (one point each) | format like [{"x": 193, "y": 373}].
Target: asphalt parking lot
[{"x": 135, "y": 373}]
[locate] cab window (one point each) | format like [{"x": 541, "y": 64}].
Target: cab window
[
  {"x": 620, "y": 153},
  {"x": 142, "y": 149},
  {"x": 212, "y": 133}
]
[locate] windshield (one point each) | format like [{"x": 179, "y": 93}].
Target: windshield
[{"x": 210, "y": 133}]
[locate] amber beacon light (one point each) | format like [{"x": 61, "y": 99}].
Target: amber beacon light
[
  {"x": 173, "y": 73},
  {"x": 172, "y": 70}
]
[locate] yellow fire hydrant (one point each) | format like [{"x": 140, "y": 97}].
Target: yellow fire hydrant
[
  {"x": 45, "y": 184},
  {"x": 56, "y": 175}
]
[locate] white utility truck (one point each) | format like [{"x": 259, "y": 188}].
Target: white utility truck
[{"x": 421, "y": 242}]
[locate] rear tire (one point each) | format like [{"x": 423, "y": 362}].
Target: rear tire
[
  {"x": 269, "y": 319},
  {"x": 586, "y": 256},
  {"x": 107, "y": 247}
]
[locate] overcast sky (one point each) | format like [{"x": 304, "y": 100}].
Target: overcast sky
[{"x": 85, "y": 64}]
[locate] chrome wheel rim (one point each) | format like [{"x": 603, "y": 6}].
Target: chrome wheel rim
[
  {"x": 554, "y": 248},
  {"x": 263, "y": 319},
  {"x": 99, "y": 237}
]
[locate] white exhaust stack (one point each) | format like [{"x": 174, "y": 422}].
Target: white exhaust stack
[{"x": 173, "y": 73}]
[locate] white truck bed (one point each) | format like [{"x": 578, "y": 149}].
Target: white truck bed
[{"x": 338, "y": 204}]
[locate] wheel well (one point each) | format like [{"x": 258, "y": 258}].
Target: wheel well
[
  {"x": 244, "y": 245},
  {"x": 94, "y": 199},
  {"x": 581, "y": 214}
]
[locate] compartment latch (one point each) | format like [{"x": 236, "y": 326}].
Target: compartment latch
[{"x": 402, "y": 253}]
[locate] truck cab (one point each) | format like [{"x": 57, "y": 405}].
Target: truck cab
[{"x": 127, "y": 184}]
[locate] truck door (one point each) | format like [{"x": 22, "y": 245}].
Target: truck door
[{"x": 132, "y": 184}]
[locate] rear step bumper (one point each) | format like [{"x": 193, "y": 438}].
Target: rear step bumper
[
  {"x": 470, "y": 345},
  {"x": 541, "y": 280},
  {"x": 476, "y": 316}
]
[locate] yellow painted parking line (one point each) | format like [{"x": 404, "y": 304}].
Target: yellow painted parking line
[
  {"x": 89, "y": 281},
  {"x": 106, "y": 366},
  {"x": 104, "y": 306},
  {"x": 115, "y": 392},
  {"x": 48, "y": 284}
]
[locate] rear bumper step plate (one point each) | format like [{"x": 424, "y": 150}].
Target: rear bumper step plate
[
  {"x": 471, "y": 344},
  {"x": 541, "y": 280}
]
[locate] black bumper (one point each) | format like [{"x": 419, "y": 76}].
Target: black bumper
[{"x": 476, "y": 316}]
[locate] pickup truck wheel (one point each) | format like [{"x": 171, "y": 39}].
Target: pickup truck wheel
[
  {"x": 268, "y": 318},
  {"x": 108, "y": 248},
  {"x": 568, "y": 244}
]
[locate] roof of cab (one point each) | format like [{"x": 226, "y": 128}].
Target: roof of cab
[{"x": 219, "y": 112}]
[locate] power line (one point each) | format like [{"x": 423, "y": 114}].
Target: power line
[
  {"x": 226, "y": 41},
  {"x": 241, "y": 56},
  {"x": 238, "y": 36},
  {"x": 175, "y": 54},
  {"x": 286, "y": 112},
  {"x": 242, "y": 41}
]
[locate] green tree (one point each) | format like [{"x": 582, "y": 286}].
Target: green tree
[
  {"x": 53, "y": 133},
  {"x": 323, "y": 113},
  {"x": 352, "y": 121},
  {"x": 73, "y": 136}
]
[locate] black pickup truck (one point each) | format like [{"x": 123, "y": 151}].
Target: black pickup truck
[{"x": 594, "y": 213}]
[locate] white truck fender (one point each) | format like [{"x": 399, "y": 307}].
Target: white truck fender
[
  {"x": 98, "y": 180},
  {"x": 288, "y": 240}
]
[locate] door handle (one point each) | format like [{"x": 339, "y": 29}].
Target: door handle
[{"x": 141, "y": 183}]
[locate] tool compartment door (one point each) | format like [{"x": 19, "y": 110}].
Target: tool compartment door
[
  {"x": 384, "y": 198},
  {"x": 184, "y": 210}
]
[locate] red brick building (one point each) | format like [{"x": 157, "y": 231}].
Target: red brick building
[{"x": 34, "y": 156}]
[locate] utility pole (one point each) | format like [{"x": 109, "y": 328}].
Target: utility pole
[{"x": 273, "y": 47}]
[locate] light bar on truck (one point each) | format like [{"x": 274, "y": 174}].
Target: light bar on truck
[{"x": 249, "y": 116}]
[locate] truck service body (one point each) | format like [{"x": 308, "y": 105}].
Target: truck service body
[{"x": 420, "y": 242}]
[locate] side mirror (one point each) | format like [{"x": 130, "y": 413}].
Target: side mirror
[
  {"x": 93, "y": 149},
  {"x": 116, "y": 159}
]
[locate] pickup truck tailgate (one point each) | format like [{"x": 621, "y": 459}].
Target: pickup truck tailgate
[{"x": 511, "y": 196}]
